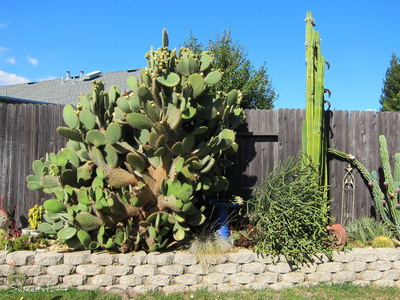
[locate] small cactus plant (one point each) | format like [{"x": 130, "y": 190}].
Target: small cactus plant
[
  {"x": 138, "y": 165},
  {"x": 386, "y": 198},
  {"x": 382, "y": 242},
  {"x": 35, "y": 215}
]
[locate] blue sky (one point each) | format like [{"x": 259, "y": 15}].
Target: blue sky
[{"x": 42, "y": 39}]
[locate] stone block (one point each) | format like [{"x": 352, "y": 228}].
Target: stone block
[
  {"x": 267, "y": 278},
  {"x": 3, "y": 257},
  {"x": 78, "y": 258},
  {"x": 118, "y": 270},
  {"x": 142, "y": 289},
  {"x": 185, "y": 258},
  {"x": 319, "y": 277},
  {"x": 343, "y": 257},
  {"x": 102, "y": 280},
  {"x": 89, "y": 269},
  {"x": 175, "y": 288},
  {"x": 293, "y": 277},
  {"x": 379, "y": 265},
  {"x": 388, "y": 254},
  {"x": 187, "y": 279},
  {"x": 369, "y": 275},
  {"x": 103, "y": 258},
  {"x": 310, "y": 268},
  {"x": 257, "y": 285},
  {"x": 60, "y": 270},
  {"x": 365, "y": 254},
  {"x": 159, "y": 280},
  {"x": 133, "y": 259},
  {"x": 279, "y": 268},
  {"x": 6, "y": 270},
  {"x": 171, "y": 270},
  {"x": 215, "y": 278},
  {"x": 361, "y": 282},
  {"x": 254, "y": 268},
  {"x": 46, "y": 280},
  {"x": 391, "y": 275},
  {"x": 242, "y": 278},
  {"x": 32, "y": 270},
  {"x": 265, "y": 258},
  {"x": 355, "y": 266},
  {"x": 320, "y": 258},
  {"x": 74, "y": 280},
  {"x": 48, "y": 258},
  {"x": 242, "y": 256},
  {"x": 330, "y": 267},
  {"x": 202, "y": 287},
  {"x": 21, "y": 258},
  {"x": 281, "y": 285},
  {"x": 384, "y": 283},
  {"x": 146, "y": 270},
  {"x": 344, "y": 276},
  {"x": 228, "y": 287},
  {"x": 228, "y": 268},
  {"x": 131, "y": 280},
  {"x": 198, "y": 269},
  {"x": 118, "y": 289},
  {"x": 396, "y": 265},
  {"x": 160, "y": 259}
]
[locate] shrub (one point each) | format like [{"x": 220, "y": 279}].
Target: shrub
[
  {"x": 365, "y": 229},
  {"x": 288, "y": 210}
]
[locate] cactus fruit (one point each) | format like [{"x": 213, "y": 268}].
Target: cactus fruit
[{"x": 139, "y": 164}]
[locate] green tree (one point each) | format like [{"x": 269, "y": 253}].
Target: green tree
[
  {"x": 239, "y": 73},
  {"x": 390, "y": 98}
]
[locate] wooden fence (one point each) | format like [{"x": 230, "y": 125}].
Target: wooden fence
[{"x": 27, "y": 132}]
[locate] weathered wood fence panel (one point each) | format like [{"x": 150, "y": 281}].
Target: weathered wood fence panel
[{"x": 27, "y": 132}]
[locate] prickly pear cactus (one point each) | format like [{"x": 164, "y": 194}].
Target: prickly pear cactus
[{"x": 139, "y": 164}]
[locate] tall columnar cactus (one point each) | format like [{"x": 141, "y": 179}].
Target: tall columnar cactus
[
  {"x": 314, "y": 142},
  {"x": 139, "y": 164},
  {"x": 387, "y": 201}
]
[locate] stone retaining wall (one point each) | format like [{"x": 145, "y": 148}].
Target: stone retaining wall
[{"x": 181, "y": 271}]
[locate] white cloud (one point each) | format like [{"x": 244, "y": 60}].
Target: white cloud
[
  {"x": 3, "y": 25},
  {"x": 3, "y": 49},
  {"x": 8, "y": 78},
  {"x": 31, "y": 60},
  {"x": 11, "y": 60}
]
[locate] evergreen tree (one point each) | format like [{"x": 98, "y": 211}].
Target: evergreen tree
[
  {"x": 239, "y": 73},
  {"x": 390, "y": 98}
]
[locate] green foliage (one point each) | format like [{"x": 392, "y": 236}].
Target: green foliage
[
  {"x": 207, "y": 245},
  {"x": 390, "y": 97},
  {"x": 289, "y": 211},
  {"x": 231, "y": 59},
  {"x": 365, "y": 229},
  {"x": 386, "y": 196},
  {"x": 139, "y": 164},
  {"x": 23, "y": 242}
]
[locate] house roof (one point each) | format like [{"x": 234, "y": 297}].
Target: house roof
[{"x": 63, "y": 90}]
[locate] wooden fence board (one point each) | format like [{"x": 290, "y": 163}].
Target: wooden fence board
[{"x": 27, "y": 133}]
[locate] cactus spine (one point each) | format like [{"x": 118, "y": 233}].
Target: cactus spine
[{"x": 314, "y": 143}]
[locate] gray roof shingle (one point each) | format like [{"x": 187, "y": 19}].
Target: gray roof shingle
[{"x": 64, "y": 91}]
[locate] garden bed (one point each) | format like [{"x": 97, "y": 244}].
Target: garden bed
[{"x": 181, "y": 271}]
